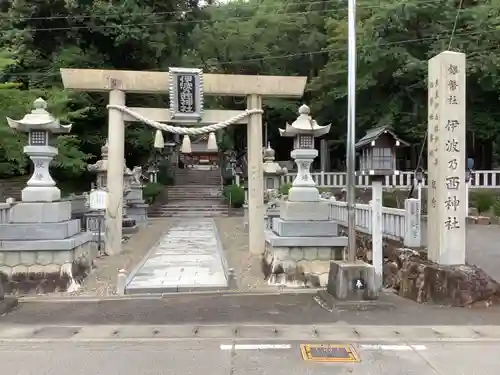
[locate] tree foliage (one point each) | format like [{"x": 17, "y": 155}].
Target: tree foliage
[{"x": 395, "y": 39}]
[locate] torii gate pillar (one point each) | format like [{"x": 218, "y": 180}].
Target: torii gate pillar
[
  {"x": 116, "y": 164},
  {"x": 118, "y": 82},
  {"x": 256, "y": 240}
]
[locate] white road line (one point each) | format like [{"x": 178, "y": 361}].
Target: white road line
[
  {"x": 255, "y": 346},
  {"x": 393, "y": 347}
]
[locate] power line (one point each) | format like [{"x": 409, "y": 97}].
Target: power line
[
  {"x": 162, "y": 23},
  {"x": 407, "y": 41},
  {"x": 176, "y": 12},
  {"x": 455, "y": 23},
  {"x": 326, "y": 50},
  {"x": 185, "y": 21}
]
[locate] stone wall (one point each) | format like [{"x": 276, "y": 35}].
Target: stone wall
[
  {"x": 412, "y": 276},
  {"x": 45, "y": 271},
  {"x": 304, "y": 266}
]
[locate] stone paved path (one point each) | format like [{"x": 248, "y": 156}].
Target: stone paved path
[{"x": 188, "y": 257}]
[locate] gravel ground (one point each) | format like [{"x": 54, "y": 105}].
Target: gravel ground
[
  {"x": 102, "y": 282},
  {"x": 234, "y": 238},
  {"x": 247, "y": 267}
]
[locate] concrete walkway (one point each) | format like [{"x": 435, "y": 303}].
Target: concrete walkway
[{"x": 188, "y": 257}]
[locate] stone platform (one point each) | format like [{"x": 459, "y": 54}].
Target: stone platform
[
  {"x": 188, "y": 257},
  {"x": 43, "y": 250}
]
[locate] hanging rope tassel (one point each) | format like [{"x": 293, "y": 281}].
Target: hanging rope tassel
[
  {"x": 186, "y": 145},
  {"x": 159, "y": 141},
  {"x": 212, "y": 143}
]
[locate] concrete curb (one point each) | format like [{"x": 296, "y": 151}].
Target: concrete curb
[
  {"x": 221, "y": 293},
  {"x": 327, "y": 301},
  {"x": 8, "y": 304}
]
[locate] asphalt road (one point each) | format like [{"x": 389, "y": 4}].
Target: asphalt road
[
  {"x": 245, "y": 308},
  {"x": 207, "y": 357}
]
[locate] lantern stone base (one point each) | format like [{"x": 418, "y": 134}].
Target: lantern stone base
[
  {"x": 53, "y": 212},
  {"x": 352, "y": 281},
  {"x": 40, "y": 194},
  {"x": 43, "y": 249},
  {"x": 138, "y": 212},
  {"x": 302, "y": 260},
  {"x": 39, "y": 231},
  {"x": 304, "y": 211},
  {"x": 303, "y": 228},
  {"x": 303, "y": 194},
  {"x": 45, "y": 266}
]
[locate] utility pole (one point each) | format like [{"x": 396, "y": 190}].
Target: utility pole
[{"x": 351, "y": 132}]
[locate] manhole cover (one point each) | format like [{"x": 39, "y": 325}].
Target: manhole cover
[{"x": 329, "y": 353}]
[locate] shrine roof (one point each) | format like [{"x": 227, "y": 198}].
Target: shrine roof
[{"x": 375, "y": 133}]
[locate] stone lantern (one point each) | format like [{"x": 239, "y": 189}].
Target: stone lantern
[
  {"x": 43, "y": 249},
  {"x": 40, "y": 126},
  {"x": 272, "y": 170},
  {"x": 101, "y": 169},
  {"x": 303, "y": 240},
  {"x": 304, "y": 130}
]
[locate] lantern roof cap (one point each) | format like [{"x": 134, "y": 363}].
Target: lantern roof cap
[
  {"x": 39, "y": 119},
  {"x": 304, "y": 124},
  {"x": 270, "y": 167}
]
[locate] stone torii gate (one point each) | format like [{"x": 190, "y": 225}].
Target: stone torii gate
[{"x": 119, "y": 82}]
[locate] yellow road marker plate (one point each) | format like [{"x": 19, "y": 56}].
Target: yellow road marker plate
[{"x": 329, "y": 353}]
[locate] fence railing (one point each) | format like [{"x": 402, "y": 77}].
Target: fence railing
[
  {"x": 4, "y": 212},
  {"x": 393, "y": 219},
  {"x": 397, "y": 224},
  {"x": 480, "y": 179}
]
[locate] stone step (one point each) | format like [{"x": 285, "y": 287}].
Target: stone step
[
  {"x": 182, "y": 187},
  {"x": 188, "y": 214},
  {"x": 189, "y": 208}
]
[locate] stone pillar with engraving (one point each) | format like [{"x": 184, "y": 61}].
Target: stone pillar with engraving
[
  {"x": 303, "y": 239},
  {"x": 40, "y": 243},
  {"x": 446, "y": 159}
]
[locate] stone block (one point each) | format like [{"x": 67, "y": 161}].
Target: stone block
[
  {"x": 54, "y": 212},
  {"x": 303, "y": 194},
  {"x": 39, "y": 231},
  {"x": 40, "y": 194},
  {"x": 342, "y": 281},
  {"x": 310, "y": 253},
  {"x": 138, "y": 212},
  {"x": 63, "y": 256},
  {"x": 12, "y": 258},
  {"x": 44, "y": 257},
  {"x": 44, "y": 245},
  {"x": 135, "y": 194},
  {"x": 305, "y": 228},
  {"x": 276, "y": 241},
  {"x": 296, "y": 253},
  {"x": 20, "y": 270},
  {"x": 305, "y": 211},
  {"x": 326, "y": 253},
  {"x": 27, "y": 258}
]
